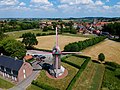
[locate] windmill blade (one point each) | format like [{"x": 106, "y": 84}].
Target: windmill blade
[
  {"x": 71, "y": 52},
  {"x": 56, "y": 36},
  {"x": 56, "y": 65},
  {"x": 31, "y": 52}
]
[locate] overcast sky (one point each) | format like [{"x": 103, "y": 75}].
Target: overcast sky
[{"x": 59, "y": 8}]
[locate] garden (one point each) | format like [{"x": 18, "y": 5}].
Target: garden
[{"x": 74, "y": 73}]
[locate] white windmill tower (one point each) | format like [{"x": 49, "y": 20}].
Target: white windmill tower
[{"x": 58, "y": 69}]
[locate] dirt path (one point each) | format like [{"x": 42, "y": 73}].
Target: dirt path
[{"x": 111, "y": 49}]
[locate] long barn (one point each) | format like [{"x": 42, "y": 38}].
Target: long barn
[{"x": 14, "y": 69}]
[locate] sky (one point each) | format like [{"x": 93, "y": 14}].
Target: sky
[{"x": 59, "y": 8}]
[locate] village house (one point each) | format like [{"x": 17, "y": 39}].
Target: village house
[{"x": 14, "y": 69}]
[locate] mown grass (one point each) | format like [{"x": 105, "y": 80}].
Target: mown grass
[
  {"x": 61, "y": 83},
  {"x": 79, "y": 35},
  {"x": 5, "y": 84},
  {"x": 98, "y": 77},
  {"x": 91, "y": 77},
  {"x": 110, "y": 80},
  {"x": 17, "y": 34},
  {"x": 75, "y": 60},
  {"x": 33, "y": 87}
]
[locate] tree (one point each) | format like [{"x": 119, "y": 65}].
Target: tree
[
  {"x": 101, "y": 57},
  {"x": 45, "y": 29},
  {"x": 29, "y": 39},
  {"x": 12, "y": 48}
]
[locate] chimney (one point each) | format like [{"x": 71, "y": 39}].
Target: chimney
[
  {"x": 1, "y": 54},
  {"x": 16, "y": 58},
  {"x": 23, "y": 60}
]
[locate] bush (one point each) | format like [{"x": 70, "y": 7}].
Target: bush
[
  {"x": 101, "y": 57},
  {"x": 38, "y": 34}
]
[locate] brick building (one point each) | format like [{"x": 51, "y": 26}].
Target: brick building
[{"x": 16, "y": 70}]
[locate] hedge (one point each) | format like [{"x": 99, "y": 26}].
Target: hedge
[
  {"x": 83, "y": 66},
  {"x": 77, "y": 46},
  {"x": 45, "y": 34},
  {"x": 44, "y": 86}
]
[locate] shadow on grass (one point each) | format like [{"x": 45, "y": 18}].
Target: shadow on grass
[{"x": 95, "y": 61}]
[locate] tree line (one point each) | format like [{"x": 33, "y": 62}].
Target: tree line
[
  {"x": 13, "y": 25},
  {"x": 112, "y": 28},
  {"x": 11, "y": 47},
  {"x": 78, "y": 46}
]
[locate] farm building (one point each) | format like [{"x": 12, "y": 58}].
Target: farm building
[{"x": 13, "y": 69}]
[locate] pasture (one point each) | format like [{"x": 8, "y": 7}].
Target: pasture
[
  {"x": 111, "y": 49},
  {"x": 17, "y": 34},
  {"x": 47, "y": 42}
]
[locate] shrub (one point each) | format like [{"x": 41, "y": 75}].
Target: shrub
[
  {"x": 101, "y": 57},
  {"x": 38, "y": 34}
]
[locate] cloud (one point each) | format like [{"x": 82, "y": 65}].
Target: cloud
[
  {"x": 106, "y": 7},
  {"x": 22, "y": 4},
  {"x": 118, "y": 3},
  {"x": 99, "y": 3},
  {"x": 45, "y": 2},
  {"x": 72, "y": 2},
  {"x": 107, "y": 0},
  {"x": 9, "y": 2}
]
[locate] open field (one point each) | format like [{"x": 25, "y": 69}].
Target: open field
[
  {"x": 5, "y": 84},
  {"x": 91, "y": 77},
  {"x": 75, "y": 60},
  {"x": 60, "y": 83},
  {"x": 111, "y": 49},
  {"x": 17, "y": 34},
  {"x": 47, "y": 42}
]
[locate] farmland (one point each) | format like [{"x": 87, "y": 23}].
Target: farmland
[
  {"x": 17, "y": 34},
  {"x": 47, "y": 42},
  {"x": 109, "y": 48},
  {"x": 91, "y": 77}
]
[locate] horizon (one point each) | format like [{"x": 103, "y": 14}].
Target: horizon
[{"x": 59, "y": 8}]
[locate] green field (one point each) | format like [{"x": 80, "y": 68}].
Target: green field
[
  {"x": 5, "y": 84},
  {"x": 111, "y": 80},
  {"x": 91, "y": 78},
  {"x": 75, "y": 60},
  {"x": 61, "y": 83},
  {"x": 17, "y": 34}
]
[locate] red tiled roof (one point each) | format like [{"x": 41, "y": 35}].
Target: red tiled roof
[{"x": 28, "y": 57}]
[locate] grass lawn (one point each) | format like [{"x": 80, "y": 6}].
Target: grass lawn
[
  {"x": 91, "y": 77},
  {"x": 98, "y": 77},
  {"x": 33, "y": 87},
  {"x": 17, "y": 34},
  {"x": 110, "y": 81},
  {"x": 73, "y": 59},
  {"x": 62, "y": 83},
  {"x": 5, "y": 84},
  {"x": 79, "y": 35}
]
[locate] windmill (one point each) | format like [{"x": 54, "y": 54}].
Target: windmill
[
  {"x": 56, "y": 52},
  {"x": 57, "y": 69}
]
